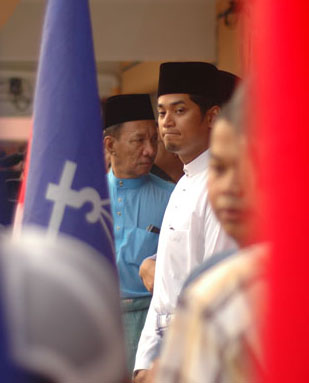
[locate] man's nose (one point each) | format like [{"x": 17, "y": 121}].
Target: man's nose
[
  {"x": 168, "y": 120},
  {"x": 233, "y": 183},
  {"x": 150, "y": 149}
]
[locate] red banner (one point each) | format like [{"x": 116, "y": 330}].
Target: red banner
[{"x": 279, "y": 68}]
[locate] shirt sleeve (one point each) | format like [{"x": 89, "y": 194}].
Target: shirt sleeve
[
  {"x": 153, "y": 257},
  {"x": 149, "y": 342},
  {"x": 216, "y": 240}
]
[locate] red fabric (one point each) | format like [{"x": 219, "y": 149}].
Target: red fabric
[
  {"x": 21, "y": 198},
  {"x": 280, "y": 66}
]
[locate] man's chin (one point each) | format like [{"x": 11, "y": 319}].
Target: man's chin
[
  {"x": 171, "y": 147},
  {"x": 143, "y": 169}
]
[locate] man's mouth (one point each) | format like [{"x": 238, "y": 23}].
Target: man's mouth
[
  {"x": 230, "y": 214},
  {"x": 170, "y": 133}
]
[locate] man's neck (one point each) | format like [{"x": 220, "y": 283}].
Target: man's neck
[
  {"x": 121, "y": 175},
  {"x": 186, "y": 159}
]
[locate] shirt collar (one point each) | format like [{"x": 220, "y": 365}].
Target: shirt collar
[
  {"x": 126, "y": 183},
  {"x": 199, "y": 164}
]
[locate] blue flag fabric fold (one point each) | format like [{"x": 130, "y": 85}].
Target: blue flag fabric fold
[{"x": 66, "y": 188}]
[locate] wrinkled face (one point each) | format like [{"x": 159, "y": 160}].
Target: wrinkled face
[
  {"x": 231, "y": 182},
  {"x": 183, "y": 129},
  {"x": 134, "y": 151}
]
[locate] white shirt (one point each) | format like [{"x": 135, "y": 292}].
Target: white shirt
[{"x": 190, "y": 234}]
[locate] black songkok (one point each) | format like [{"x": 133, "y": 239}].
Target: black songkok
[
  {"x": 127, "y": 107},
  {"x": 226, "y": 85},
  {"x": 198, "y": 78}
]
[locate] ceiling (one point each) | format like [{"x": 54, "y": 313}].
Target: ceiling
[{"x": 124, "y": 32}]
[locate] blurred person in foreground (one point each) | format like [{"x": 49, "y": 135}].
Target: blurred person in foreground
[
  {"x": 59, "y": 312},
  {"x": 189, "y": 99},
  {"x": 138, "y": 202},
  {"x": 216, "y": 332}
]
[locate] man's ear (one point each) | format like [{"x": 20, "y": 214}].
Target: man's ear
[
  {"x": 212, "y": 114},
  {"x": 109, "y": 143}
]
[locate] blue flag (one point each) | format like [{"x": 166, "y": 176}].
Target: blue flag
[{"x": 66, "y": 188}]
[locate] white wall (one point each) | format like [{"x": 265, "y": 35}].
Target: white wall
[
  {"x": 155, "y": 30},
  {"x": 124, "y": 30},
  {"x": 20, "y": 106},
  {"x": 15, "y": 128},
  {"x": 9, "y": 106}
]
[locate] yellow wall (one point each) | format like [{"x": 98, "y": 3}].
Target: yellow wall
[
  {"x": 141, "y": 78},
  {"x": 229, "y": 48},
  {"x": 6, "y": 9}
]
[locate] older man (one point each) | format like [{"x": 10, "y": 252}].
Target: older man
[{"x": 138, "y": 201}]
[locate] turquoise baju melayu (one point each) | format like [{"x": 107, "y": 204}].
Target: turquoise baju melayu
[{"x": 136, "y": 204}]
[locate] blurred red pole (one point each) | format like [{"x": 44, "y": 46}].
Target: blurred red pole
[{"x": 279, "y": 64}]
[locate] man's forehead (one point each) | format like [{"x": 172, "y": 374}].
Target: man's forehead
[
  {"x": 224, "y": 141},
  {"x": 172, "y": 99},
  {"x": 223, "y": 131}
]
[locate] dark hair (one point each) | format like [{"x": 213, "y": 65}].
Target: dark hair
[
  {"x": 235, "y": 111},
  {"x": 203, "y": 103},
  {"x": 113, "y": 131}
]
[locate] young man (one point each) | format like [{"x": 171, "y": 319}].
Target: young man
[
  {"x": 138, "y": 201},
  {"x": 215, "y": 334},
  {"x": 188, "y": 102}
]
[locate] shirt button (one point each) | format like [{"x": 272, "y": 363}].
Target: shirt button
[
  {"x": 119, "y": 199},
  {"x": 117, "y": 227},
  {"x": 120, "y": 183},
  {"x": 119, "y": 213}
]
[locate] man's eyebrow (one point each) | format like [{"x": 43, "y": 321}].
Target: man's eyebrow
[{"x": 172, "y": 103}]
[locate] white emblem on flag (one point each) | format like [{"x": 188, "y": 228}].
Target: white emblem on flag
[{"x": 64, "y": 196}]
